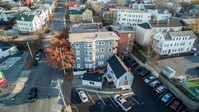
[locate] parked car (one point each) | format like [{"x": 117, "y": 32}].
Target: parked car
[
  {"x": 166, "y": 97},
  {"x": 47, "y": 31},
  {"x": 161, "y": 89},
  {"x": 154, "y": 83},
  {"x": 35, "y": 63},
  {"x": 149, "y": 79},
  {"x": 175, "y": 105},
  {"x": 41, "y": 50},
  {"x": 83, "y": 96},
  {"x": 38, "y": 56},
  {"x": 32, "y": 96},
  {"x": 14, "y": 37},
  {"x": 145, "y": 73},
  {"x": 197, "y": 68},
  {"x": 122, "y": 102}
]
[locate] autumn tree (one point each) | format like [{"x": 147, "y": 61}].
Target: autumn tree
[
  {"x": 59, "y": 54},
  {"x": 194, "y": 25}
]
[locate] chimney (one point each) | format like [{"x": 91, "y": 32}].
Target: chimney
[
  {"x": 95, "y": 35},
  {"x": 157, "y": 22},
  {"x": 168, "y": 21}
]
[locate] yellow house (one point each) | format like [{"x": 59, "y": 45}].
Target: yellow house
[{"x": 84, "y": 14}]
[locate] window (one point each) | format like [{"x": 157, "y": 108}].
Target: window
[
  {"x": 189, "y": 43},
  {"x": 78, "y": 59},
  {"x": 92, "y": 83},
  {"x": 109, "y": 49},
  {"x": 85, "y": 45},
  {"x": 86, "y": 65},
  {"x": 110, "y": 43},
  {"x": 78, "y": 65},
  {"x": 90, "y": 45},
  {"x": 100, "y": 62},
  {"x": 86, "y": 52},
  {"x": 77, "y": 52},
  {"x": 77, "y": 45}
]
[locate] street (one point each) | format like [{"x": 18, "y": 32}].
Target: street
[{"x": 45, "y": 79}]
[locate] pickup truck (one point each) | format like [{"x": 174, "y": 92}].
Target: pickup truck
[{"x": 122, "y": 102}]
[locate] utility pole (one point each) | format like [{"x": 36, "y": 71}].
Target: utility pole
[
  {"x": 60, "y": 92},
  {"x": 30, "y": 50},
  {"x": 62, "y": 60}
]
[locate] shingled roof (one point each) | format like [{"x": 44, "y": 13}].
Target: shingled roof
[{"x": 117, "y": 66}]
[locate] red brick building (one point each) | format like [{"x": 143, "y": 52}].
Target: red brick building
[{"x": 127, "y": 37}]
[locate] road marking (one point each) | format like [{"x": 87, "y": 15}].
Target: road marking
[
  {"x": 145, "y": 77},
  {"x": 162, "y": 94},
  {"x": 170, "y": 101},
  {"x": 155, "y": 88},
  {"x": 40, "y": 86},
  {"x": 135, "y": 101},
  {"x": 90, "y": 97},
  {"x": 180, "y": 108},
  {"x": 101, "y": 99},
  {"x": 112, "y": 101}
]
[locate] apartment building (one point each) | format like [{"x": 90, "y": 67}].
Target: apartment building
[
  {"x": 145, "y": 31},
  {"x": 93, "y": 49},
  {"x": 169, "y": 43},
  {"x": 130, "y": 17},
  {"x": 7, "y": 15}
]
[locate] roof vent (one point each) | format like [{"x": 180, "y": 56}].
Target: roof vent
[{"x": 22, "y": 18}]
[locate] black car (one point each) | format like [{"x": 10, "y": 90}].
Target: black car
[
  {"x": 33, "y": 94},
  {"x": 35, "y": 63},
  {"x": 47, "y": 31}
]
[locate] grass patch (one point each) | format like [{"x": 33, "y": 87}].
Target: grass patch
[{"x": 193, "y": 85}]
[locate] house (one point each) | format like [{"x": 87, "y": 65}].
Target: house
[
  {"x": 93, "y": 49},
  {"x": 92, "y": 80},
  {"x": 149, "y": 2},
  {"x": 20, "y": 9},
  {"x": 84, "y": 14},
  {"x": 118, "y": 73},
  {"x": 145, "y": 31},
  {"x": 7, "y": 15},
  {"x": 160, "y": 14},
  {"x": 42, "y": 13},
  {"x": 28, "y": 23},
  {"x": 110, "y": 4},
  {"x": 127, "y": 37},
  {"x": 137, "y": 6},
  {"x": 130, "y": 17},
  {"x": 170, "y": 43},
  {"x": 7, "y": 49},
  {"x": 94, "y": 1},
  {"x": 76, "y": 6}
]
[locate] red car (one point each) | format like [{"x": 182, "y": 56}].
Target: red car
[{"x": 175, "y": 105}]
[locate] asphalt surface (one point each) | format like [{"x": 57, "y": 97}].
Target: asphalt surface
[{"x": 45, "y": 79}]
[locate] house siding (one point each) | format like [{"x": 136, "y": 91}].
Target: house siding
[{"x": 92, "y": 84}]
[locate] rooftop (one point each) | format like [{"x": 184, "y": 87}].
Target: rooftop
[
  {"x": 97, "y": 77},
  {"x": 165, "y": 23},
  {"x": 121, "y": 28},
  {"x": 92, "y": 36},
  {"x": 145, "y": 25},
  {"x": 117, "y": 66},
  {"x": 4, "y": 45},
  {"x": 24, "y": 17},
  {"x": 169, "y": 35}
]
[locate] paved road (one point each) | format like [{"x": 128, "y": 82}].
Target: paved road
[{"x": 45, "y": 79}]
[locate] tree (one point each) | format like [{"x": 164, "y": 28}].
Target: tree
[
  {"x": 161, "y": 4},
  {"x": 186, "y": 5},
  {"x": 59, "y": 54},
  {"x": 194, "y": 25}
]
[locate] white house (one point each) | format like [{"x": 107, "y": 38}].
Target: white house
[
  {"x": 42, "y": 13},
  {"x": 130, "y": 17},
  {"x": 7, "y": 49},
  {"x": 145, "y": 31},
  {"x": 28, "y": 23},
  {"x": 137, "y": 6},
  {"x": 118, "y": 73},
  {"x": 7, "y": 15},
  {"x": 160, "y": 14},
  {"x": 92, "y": 80},
  {"x": 173, "y": 42}
]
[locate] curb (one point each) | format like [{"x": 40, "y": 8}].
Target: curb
[
  {"x": 19, "y": 85},
  {"x": 103, "y": 92}
]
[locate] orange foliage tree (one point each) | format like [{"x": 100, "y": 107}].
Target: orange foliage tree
[{"x": 59, "y": 54}]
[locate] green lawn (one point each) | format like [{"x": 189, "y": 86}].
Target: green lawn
[{"x": 193, "y": 85}]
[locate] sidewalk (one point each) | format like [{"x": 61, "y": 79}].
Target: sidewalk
[{"x": 19, "y": 85}]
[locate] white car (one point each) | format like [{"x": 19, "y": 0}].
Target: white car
[
  {"x": 154, "y": 83},
  {"x": 83, "y": 96},
  {"x": 38, "y": 56},
  {"x": 122, "y": 102},
  {"x": 149, "y": 79},
  {"x": 161, "y": 89}
]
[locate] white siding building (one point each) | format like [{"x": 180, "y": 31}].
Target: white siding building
[
  {"x": 160, "y": 14},
  {"x": 7, "y": 49},
  {"x": 7, "y": 15},
  {"x": 173, "y": 42},
  {"x": 92, "y": 80},
  {"x": 118, "y": 73},
  {"x": 27, "y": 23},
  {"x": 130, "y": 17},
  {"x": 42, "y": 13}
]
